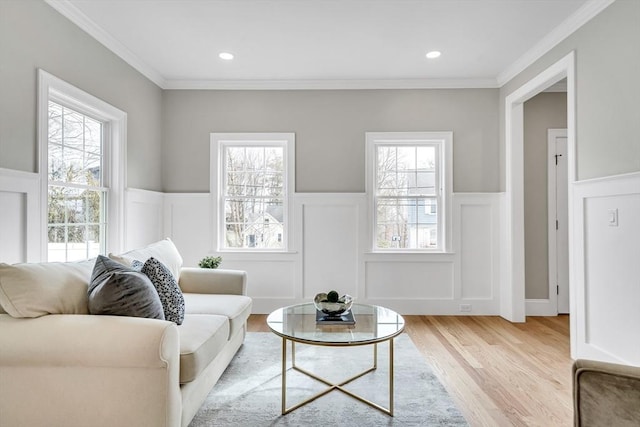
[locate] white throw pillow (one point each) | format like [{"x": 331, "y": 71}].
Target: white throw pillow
[
  {"x": 34, "y": 290},
  {"x": 164, "y": 251}
]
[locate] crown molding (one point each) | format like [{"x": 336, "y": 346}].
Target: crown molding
[
  {"x": 75, "y": 15},
  {"x": 583, "y": 15},
  {"x": 330, "y": 84},
  {"x": 566, "y": 28}
]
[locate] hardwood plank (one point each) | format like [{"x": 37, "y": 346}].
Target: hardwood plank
[{"x": 498, "y": 373}]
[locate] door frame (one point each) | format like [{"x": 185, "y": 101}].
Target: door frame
[
  {"x": 512, "y": 295},
  {"x": 554, "y": 297}
]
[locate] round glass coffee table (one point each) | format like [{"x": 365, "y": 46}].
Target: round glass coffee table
[{"x": 373, "y": 325}]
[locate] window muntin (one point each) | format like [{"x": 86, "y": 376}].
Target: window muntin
[
  {"x": 407, "y": 190},
  {"x": 83, "y": 164},
  {"x": 76, "y": 213},
  {"x": 254, "y": 190}
]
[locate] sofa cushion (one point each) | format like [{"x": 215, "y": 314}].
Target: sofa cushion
[
  {"x": 121, "y": 291},
  {"x": 202, "y": 336},
  {"x": 168, "y": 289},
  {"x": 236, "y": 308},
  {"x": 164, "y": 251},
  {"x": 33, "y": 290}
]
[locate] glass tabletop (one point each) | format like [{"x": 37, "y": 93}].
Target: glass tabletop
[{"x": 372, "y": 324}]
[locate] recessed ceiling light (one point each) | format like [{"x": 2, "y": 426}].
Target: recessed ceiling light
[
  {"x": 226, "y": 56},
  {"x": 433, "y": 54}
]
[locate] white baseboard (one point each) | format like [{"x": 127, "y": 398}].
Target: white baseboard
[{"x": 540, "y": 307}]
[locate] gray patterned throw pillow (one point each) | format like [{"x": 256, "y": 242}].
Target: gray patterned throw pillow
[
  {"x": 168, "y": 290},
  {"x": 121, "y": 291}
]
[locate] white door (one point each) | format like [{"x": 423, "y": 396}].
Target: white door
[{"x": 558, "y": 219}]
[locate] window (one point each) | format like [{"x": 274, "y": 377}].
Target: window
[
  {"x": 252, "y": 180},
  {"x": 409, "y": 186},
  {"x": 80, "y": 137}
]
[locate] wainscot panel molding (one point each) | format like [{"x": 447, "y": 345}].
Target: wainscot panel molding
[
  {"x": 331, "y": 234},
  {"x": 145, "y": 217},
  {"x": 187, "y": 221},
  {"x": 20, "y": 220},
  {"x": 330, "y": 251},
  {"x": 463, "y": 282},
  {"x": 272, "y": 279},
  {"x": 605, "y": 278}
]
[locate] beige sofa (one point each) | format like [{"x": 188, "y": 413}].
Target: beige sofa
[{"x": 60, "y": 366}]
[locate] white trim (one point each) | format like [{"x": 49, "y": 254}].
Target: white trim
[
  {"x": 566, "y": 28},
  {"x": 50, "y": 86},
  {"x": 217, "y": 143},
  {"x": 540, "y": 307},
  {"x": 75, "y": 15},
  {"x": 141, "y": 204},
  {"x": 512, "y": 299},
  {"x": 583, "y": 15},
  {"x": 331, "y": 84},
  {"x": 625, "y": 183},
  {"x": 27, "y": 183},
  {"x": 444, "y": 140},
  {"x": 609, "y": 187}
]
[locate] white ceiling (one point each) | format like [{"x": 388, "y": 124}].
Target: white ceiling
[{"x": 329, "y": 43}]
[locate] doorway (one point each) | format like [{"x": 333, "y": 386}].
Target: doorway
[
  {"x": 512, "y": 295},
  {"x": 544, "y": 111}
]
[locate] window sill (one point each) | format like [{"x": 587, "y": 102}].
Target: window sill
[
  {"x": 232, "y": 252},
  {"x": 424, "y": 253}
]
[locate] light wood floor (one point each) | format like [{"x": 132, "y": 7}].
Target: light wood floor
[{"x": 498, "y": 373}]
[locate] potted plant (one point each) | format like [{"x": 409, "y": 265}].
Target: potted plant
[{"x": 210, "y": 262}]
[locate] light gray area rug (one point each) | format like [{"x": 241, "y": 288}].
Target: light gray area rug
[{"x": 249, "y": 392}]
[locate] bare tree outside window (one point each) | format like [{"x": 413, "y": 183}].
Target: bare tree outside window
[
  {"x": 406, "y": 196},
  {"x": 254, "y": 196},
  {"x": 76, "y": 196}
]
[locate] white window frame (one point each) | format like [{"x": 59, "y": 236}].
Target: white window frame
[
  {"x": 444, "y": 143},
  {"x": 221, "y": 140},
  {"x": 51, "y": 88}
]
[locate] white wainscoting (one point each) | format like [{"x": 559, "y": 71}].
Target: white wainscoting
[
  {"x": 330, "y": 252},
  {"x": 330, "y": 237},
  {"x": 19, "y": 216},
  {"x": 605, "y": 291},
  {"x": 462, "y": 282},
  {"x": 187, "y": 221},
  {"x": 145, "y": 217}
]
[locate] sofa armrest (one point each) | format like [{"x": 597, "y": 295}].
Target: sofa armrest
[
  {"x": 88, "y": 340},
  {"x": 80, "y": 370},
  {"x": 605, "y": 394},
  {"x": 213, "y": 281}
]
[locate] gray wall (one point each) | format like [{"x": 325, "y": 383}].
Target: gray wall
[
  {"x": 542, "y": 112},
  {"x": 608, "y": 90},
  {"x": 33, "y": 35},
  {"x": 330, "y": 131}
]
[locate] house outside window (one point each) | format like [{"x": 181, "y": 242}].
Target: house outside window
[
  {"x": 82, "y": 165},
  {"x": 409, "y": 187},
  {"x": 252, "y": 181}
]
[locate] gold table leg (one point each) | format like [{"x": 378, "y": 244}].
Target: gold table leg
[{"x": 335, "y": 386}]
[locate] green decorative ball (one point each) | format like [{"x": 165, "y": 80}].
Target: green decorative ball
[{"x": 333, "y": 296}]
